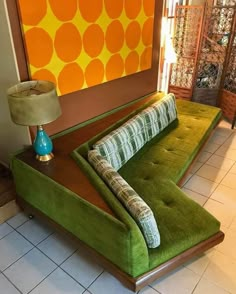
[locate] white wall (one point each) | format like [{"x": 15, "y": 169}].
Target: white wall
[{"x": 12, "y": 137}]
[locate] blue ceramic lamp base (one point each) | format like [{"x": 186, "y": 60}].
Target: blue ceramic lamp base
[{"x": 43, "y": 145}]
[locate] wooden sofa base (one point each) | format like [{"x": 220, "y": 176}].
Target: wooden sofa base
[{"x": 141, "y": 281}]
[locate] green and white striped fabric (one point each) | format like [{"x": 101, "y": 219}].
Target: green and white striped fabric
[
  {"x": 159, "y": 115},
  {"x": 121, "y": 144},
  {"x": 138, "y": 209}
]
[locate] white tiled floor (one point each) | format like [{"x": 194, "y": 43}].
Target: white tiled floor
[{"x": 33, "y": 259}]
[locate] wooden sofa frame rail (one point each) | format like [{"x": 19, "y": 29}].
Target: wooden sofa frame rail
[{"x": 58, "y": 169}]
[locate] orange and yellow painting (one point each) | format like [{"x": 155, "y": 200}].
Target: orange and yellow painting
[{"x": 82, "y": 43}]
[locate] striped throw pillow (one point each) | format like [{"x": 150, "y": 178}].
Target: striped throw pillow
[
  {"x": 121, "y": 144},
  {"x": 138, "y": 209},
  {"x": 159, "y": 115}
]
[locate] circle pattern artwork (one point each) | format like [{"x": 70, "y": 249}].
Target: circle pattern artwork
[
  {"x": 65, "y": 11},
  {"x": 93, "y": 48},
  {"x": 67, "y": 42},
  {"x": 115, "y": 28},
  {"x": 82, "y": 43},
  {"x": 133, "y": 34},
  {"x": 39, "y": 47},
  {"x": 94, "y": 73}
]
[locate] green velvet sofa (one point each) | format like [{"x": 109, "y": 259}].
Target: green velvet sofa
[{"x": 154, "y": 172}]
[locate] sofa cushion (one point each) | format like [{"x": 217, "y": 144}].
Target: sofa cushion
[
  {"x": 121, "y": 144},
  {"x": 159, "y": 115},
  {"x": 139, "y": 210}
]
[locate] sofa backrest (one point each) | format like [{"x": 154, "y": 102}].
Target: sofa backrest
[{"x": 122, "y": 143}]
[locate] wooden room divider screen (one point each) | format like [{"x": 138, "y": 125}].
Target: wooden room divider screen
[
  {"x": 188, "y": 26},
  {"x": 228, "y": 94}
]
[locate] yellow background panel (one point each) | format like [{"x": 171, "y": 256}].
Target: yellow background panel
[{"x": 63, "y": 46}]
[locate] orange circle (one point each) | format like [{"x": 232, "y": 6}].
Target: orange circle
[
  {"x": 68, "y": 42},
  {"x": 93, "y": 40},
  {"x": 71, "y": 78},
  {"x": 147, "y": 32},
  {"x": 114, "y": 8},
  {"x": 149, "y": 7},
  {"x": 44, "y": 74},
  {"x": 39, "y": 47},
  {"x": 90, "y": 9},
  {"x": 114, "y": 36},
  {"x": 94, "y": 73},
  {"x": 32, "y": 14},
  {"x": 64, "y": 10},
  {"x": 146, "y": 59},
  {"x": 132, "y": 63},
  {"x": 133, "y": 34},
  {"x": 132, "y": 8},
  {"x": 114, "y": 67}
]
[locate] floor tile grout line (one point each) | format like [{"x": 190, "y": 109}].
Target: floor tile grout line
[
  {"x": 195, "y": 173},
  {"x": 17, "y": 260},
  {"x": 95, "y": 279},
  {"x": 217, "y": 169},
  {"x": 42, "y": 280},
  {"x": 73, "y": 278},
  {"x": 45, "y": 238},
  {"x": 19, "y": 225},
  {"x": 12, "y": 284},
  {"x": 86, "y": 290},
  {"x": 202, "y": 275},
  {"x": 198, "y": 168},
  {"x": 232, "y": 167},
  {"x": 36, "y": 246},
  {"x": 199, "y": 192},
  {"x": 154, "y": 289},
  {"x": 220, "y": 183},
  {"x": 7, "y": 234}
]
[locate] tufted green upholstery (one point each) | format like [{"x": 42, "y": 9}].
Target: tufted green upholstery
[{"x": 153, "y": 173}]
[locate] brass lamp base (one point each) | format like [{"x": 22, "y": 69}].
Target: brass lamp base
[{"x": 45, "y": 157}]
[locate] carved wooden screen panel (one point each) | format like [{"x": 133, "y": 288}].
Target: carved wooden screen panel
[
  {"x": 188, "y": 24},
  {"x": 228, "y": 97},
  {"x": 212, "y": 55}
]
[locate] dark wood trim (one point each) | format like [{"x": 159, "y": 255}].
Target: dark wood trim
[
  {"x": 132, "y": 283},
  {"x": 85, "y": 104},
  {"x": 17, "y": 39}
]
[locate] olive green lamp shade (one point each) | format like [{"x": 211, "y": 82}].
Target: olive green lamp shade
[{"x": 33, "y": 103}]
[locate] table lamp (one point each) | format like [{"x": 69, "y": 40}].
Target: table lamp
[{"x": 35, "y": 103}]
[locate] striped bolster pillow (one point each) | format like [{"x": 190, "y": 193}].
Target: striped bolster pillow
[
  {"x": 138, "y": 209},
  {"x": 121, "y": 144}
]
